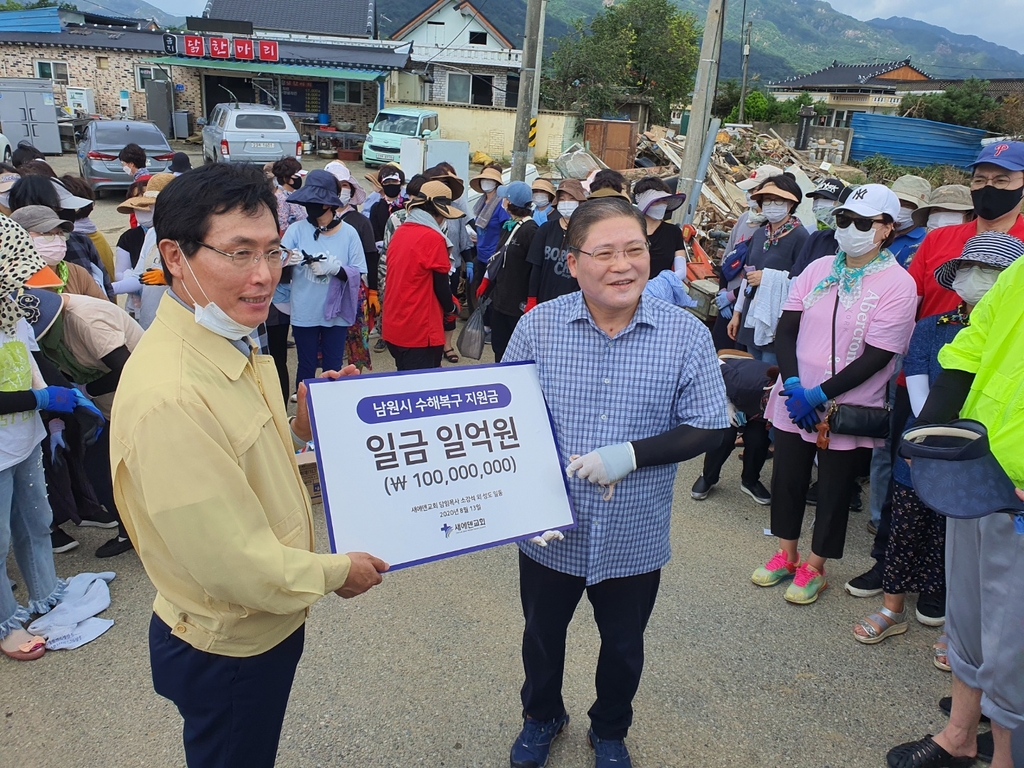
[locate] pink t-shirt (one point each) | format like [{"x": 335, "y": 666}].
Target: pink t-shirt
[{"x": 884, "y": 318}]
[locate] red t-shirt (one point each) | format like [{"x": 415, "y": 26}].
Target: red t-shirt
[
  {"x": 939, "y": 246},
  {"x": 413, "y": 317}
]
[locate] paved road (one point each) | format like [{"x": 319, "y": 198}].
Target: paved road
[{"x": 425, "y": 669}]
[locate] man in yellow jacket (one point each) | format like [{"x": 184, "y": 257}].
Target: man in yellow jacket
[
  {"x": 983, "y": 379},
  {"x": 204, "y": 471}
]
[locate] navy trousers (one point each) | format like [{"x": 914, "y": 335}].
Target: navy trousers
[{"x": 233, "y": 707}]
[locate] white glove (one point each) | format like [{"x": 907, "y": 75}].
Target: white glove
[
  {"x": 294, "y": 258},
  {"x": 329, "y": 266},
  {"x": 736, "y": 417},
  {"x": 605, "y": 466},
  {"x": 544, "y": 538}
]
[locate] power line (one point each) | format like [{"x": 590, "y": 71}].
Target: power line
[{"x": 476, "y": 12}]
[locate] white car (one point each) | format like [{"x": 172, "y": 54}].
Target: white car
[{"x": 5, "y": 149}]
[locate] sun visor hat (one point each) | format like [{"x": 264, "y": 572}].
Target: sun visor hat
[
  {"x": 40, "y": 308},
  {"x": 438, "y": 193},
  {"x": 645, "y": 200},
  {"x": 69, "y": 202},
  {"x": 771, "y": 189},
  {"x": 955, "y": 473}
]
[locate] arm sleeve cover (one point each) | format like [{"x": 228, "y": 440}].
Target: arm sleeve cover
[
  {"x": 946, "y": 397},
  {"x": 679, "y": 444}
]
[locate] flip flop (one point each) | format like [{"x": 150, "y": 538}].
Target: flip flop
[{"x": 30, "y": 650}]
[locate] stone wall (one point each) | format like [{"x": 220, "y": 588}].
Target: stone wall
[{"x": 108, "y": 72}]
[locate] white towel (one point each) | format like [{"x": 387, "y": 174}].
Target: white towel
[
  {"x": 763, "y": 315},
  {"x": 68, "y": 624}
]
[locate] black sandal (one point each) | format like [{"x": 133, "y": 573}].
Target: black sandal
[
  {"x": 451, "y": 356},
  {"x": 925, "y": 753}
]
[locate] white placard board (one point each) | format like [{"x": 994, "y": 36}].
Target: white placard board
[{"x": 423, "y": 465}]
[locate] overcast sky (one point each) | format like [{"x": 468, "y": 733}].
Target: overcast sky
[{"x": 1000, "y": 21}]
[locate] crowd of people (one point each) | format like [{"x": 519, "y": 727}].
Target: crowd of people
[{"x": 831, "y": 338}]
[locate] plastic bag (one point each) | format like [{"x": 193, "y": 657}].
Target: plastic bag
[{"x": 471, "y": 340}]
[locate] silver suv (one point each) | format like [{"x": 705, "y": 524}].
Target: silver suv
[{"x": 249, "y": 133}]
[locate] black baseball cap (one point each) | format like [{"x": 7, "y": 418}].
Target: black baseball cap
[
  {"x": 829, "y": 189},
  {"x": 955, "y": 473}
]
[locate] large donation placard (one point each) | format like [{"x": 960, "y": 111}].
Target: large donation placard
[{"x": 424, "y": 465}]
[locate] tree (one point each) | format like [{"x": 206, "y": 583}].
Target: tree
[
  {"x": 641, "y": 47},
  {"x": 965, "y": 103},
  {"x": 727, "y": 98}
]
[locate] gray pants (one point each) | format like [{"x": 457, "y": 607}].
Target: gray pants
[{"x": 985, "y": 613}]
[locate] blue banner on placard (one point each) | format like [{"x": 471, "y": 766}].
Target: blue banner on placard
[{"x": 432, "y": 402}]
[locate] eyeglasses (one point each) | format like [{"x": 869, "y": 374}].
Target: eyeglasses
[
  {"x": 843, "y": 220},
  {"x": 248, "y": 258},
  {"x": 55, "y": 235},
  {"x": 1002, "y": 181},
  {"x": 632, "y": 252}
]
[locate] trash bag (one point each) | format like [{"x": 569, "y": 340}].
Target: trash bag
[{"x": 471, "y": 340}]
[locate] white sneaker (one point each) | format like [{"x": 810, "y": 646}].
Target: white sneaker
[{"x": 294, "y": 398}]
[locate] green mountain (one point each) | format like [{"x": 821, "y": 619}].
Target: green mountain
[
  {"x": 793, "y": 37},
  {"x": 131, "y": 9}
]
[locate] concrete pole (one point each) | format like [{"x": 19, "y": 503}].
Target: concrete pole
[
  {"x": 700, "y": 110},
  {"x": 746, "y": 59},
  {"x": 527, "y": 78},
  {"x": 531, "y": 150}
]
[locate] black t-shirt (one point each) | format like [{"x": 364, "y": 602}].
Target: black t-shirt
[
  {"x": 665, "y": 241},
  {"x": 131, "y": 240},
  {"x": 364, "y": 229},
  {"x": 512, "y": 281},
  {"x": 550, "y": 278}
]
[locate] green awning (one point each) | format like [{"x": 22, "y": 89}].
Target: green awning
[{"x": 266, "y": 68}]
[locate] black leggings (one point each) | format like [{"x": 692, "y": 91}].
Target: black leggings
[
  {"x": 791, "y": 477},
  {"x": 277, "y": 341}
]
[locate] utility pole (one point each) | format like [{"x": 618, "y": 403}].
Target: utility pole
[
  {"x": 531, "y": 150},
  {"x": 528, "y": 76},
  {"x": 746, "y": 59},
  {"x": 704, "y": 89}
]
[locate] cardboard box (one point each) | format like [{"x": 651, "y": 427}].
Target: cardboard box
[{"x": 310, "y": 474}]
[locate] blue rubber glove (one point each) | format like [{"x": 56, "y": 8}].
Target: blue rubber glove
[
  {"x": 84, "y": 402},
  {"x": 605, "y": 466},
  {"x": 469, "y": 271},
  {"x": 722, "y": 299},
  {"x": 803, "y": 406},
  {"x": 57, "y": 399}
]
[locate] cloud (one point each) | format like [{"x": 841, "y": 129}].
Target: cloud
[{"x": 998, "y": 21}]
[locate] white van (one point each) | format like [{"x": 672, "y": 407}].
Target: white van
[{"x": 384, "y": 141}]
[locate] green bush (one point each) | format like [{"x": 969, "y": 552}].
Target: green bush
[{"x": 881, "y": 170}]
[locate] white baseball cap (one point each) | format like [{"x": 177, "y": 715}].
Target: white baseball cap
[
  {"x": 760, "y": 173},
  {"x": 871, "y": 200}
]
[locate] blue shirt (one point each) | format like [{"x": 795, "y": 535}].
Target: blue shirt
[
  {"x": 487, "y": 238},
  {"x": 657, "y": 373},
  {"x": 905, "y": 246},
  {"x": 307, "y": 292}
]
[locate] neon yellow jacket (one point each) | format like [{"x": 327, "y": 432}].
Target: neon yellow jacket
[{"x": 992, "y": 348}]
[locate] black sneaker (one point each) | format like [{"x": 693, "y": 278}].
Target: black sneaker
[
  {"x": 931, "y": 611},
  {"x": 380, "y": 346},
  {"x": 116, "y": 546},
  {"x": 102, "y": 519},
  {"x": 812, "y": 495},
  {"x": 757, "y": 492},
  {"x": 857, "y": 501},
  {"x": 866, "y": 585},
  {"x": 701, "y": 489},
  {"x": 61, "y": 541}
]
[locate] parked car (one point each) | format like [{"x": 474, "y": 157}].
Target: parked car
[
  {"x": 249, "y": 133},
  {"x": 101, "y": 142},
  {"x": 5, "y": 149},
  {"x": 384, "y": 141}
]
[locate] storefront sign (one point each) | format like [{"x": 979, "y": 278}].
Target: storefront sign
[
  {"x": 194, "y": 45},
  {"x": 425, "y": 465},
  {"x": 220, "y": 48},
  {"x": 268, "y": 50},
  {"x": 243, "y": 48}
]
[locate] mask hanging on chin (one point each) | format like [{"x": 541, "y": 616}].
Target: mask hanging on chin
[
  {"x": 991, "y": 203},
  {"x": 212, "y": 317}
]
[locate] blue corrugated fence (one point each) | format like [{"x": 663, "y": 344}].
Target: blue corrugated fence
[{"x": 909, "y": 141}]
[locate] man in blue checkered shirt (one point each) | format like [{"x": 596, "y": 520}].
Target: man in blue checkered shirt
[{"x": 634, "y": 386}]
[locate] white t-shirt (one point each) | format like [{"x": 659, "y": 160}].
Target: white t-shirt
[{"x": 20, "y": 433}]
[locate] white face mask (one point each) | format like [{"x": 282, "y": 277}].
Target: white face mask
[
  {"x": 971, "y": 283},
  {"x": 128, "y": 170},
  {"x": 52, "y": 248},
  {"x": 855, "y": 243},
  {"x": 212, "y": 317},
  {"x": 905, "y": 220},
  {"x": 657, "y": 212},
  {"x": 567, "y": 207},
  {"x": 944, "y": 219},
  {"x": 541, "y": 199},
  {"x": 775, "y": 211},
  {"x": 345, "y": 195},
  {"x": 487, "y": 185},
  {"x": 752, "y": 203},
  {"x": 145, "y": 218}
]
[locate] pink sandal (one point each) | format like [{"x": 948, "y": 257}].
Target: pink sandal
[{"x": 30, "y": 650}]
